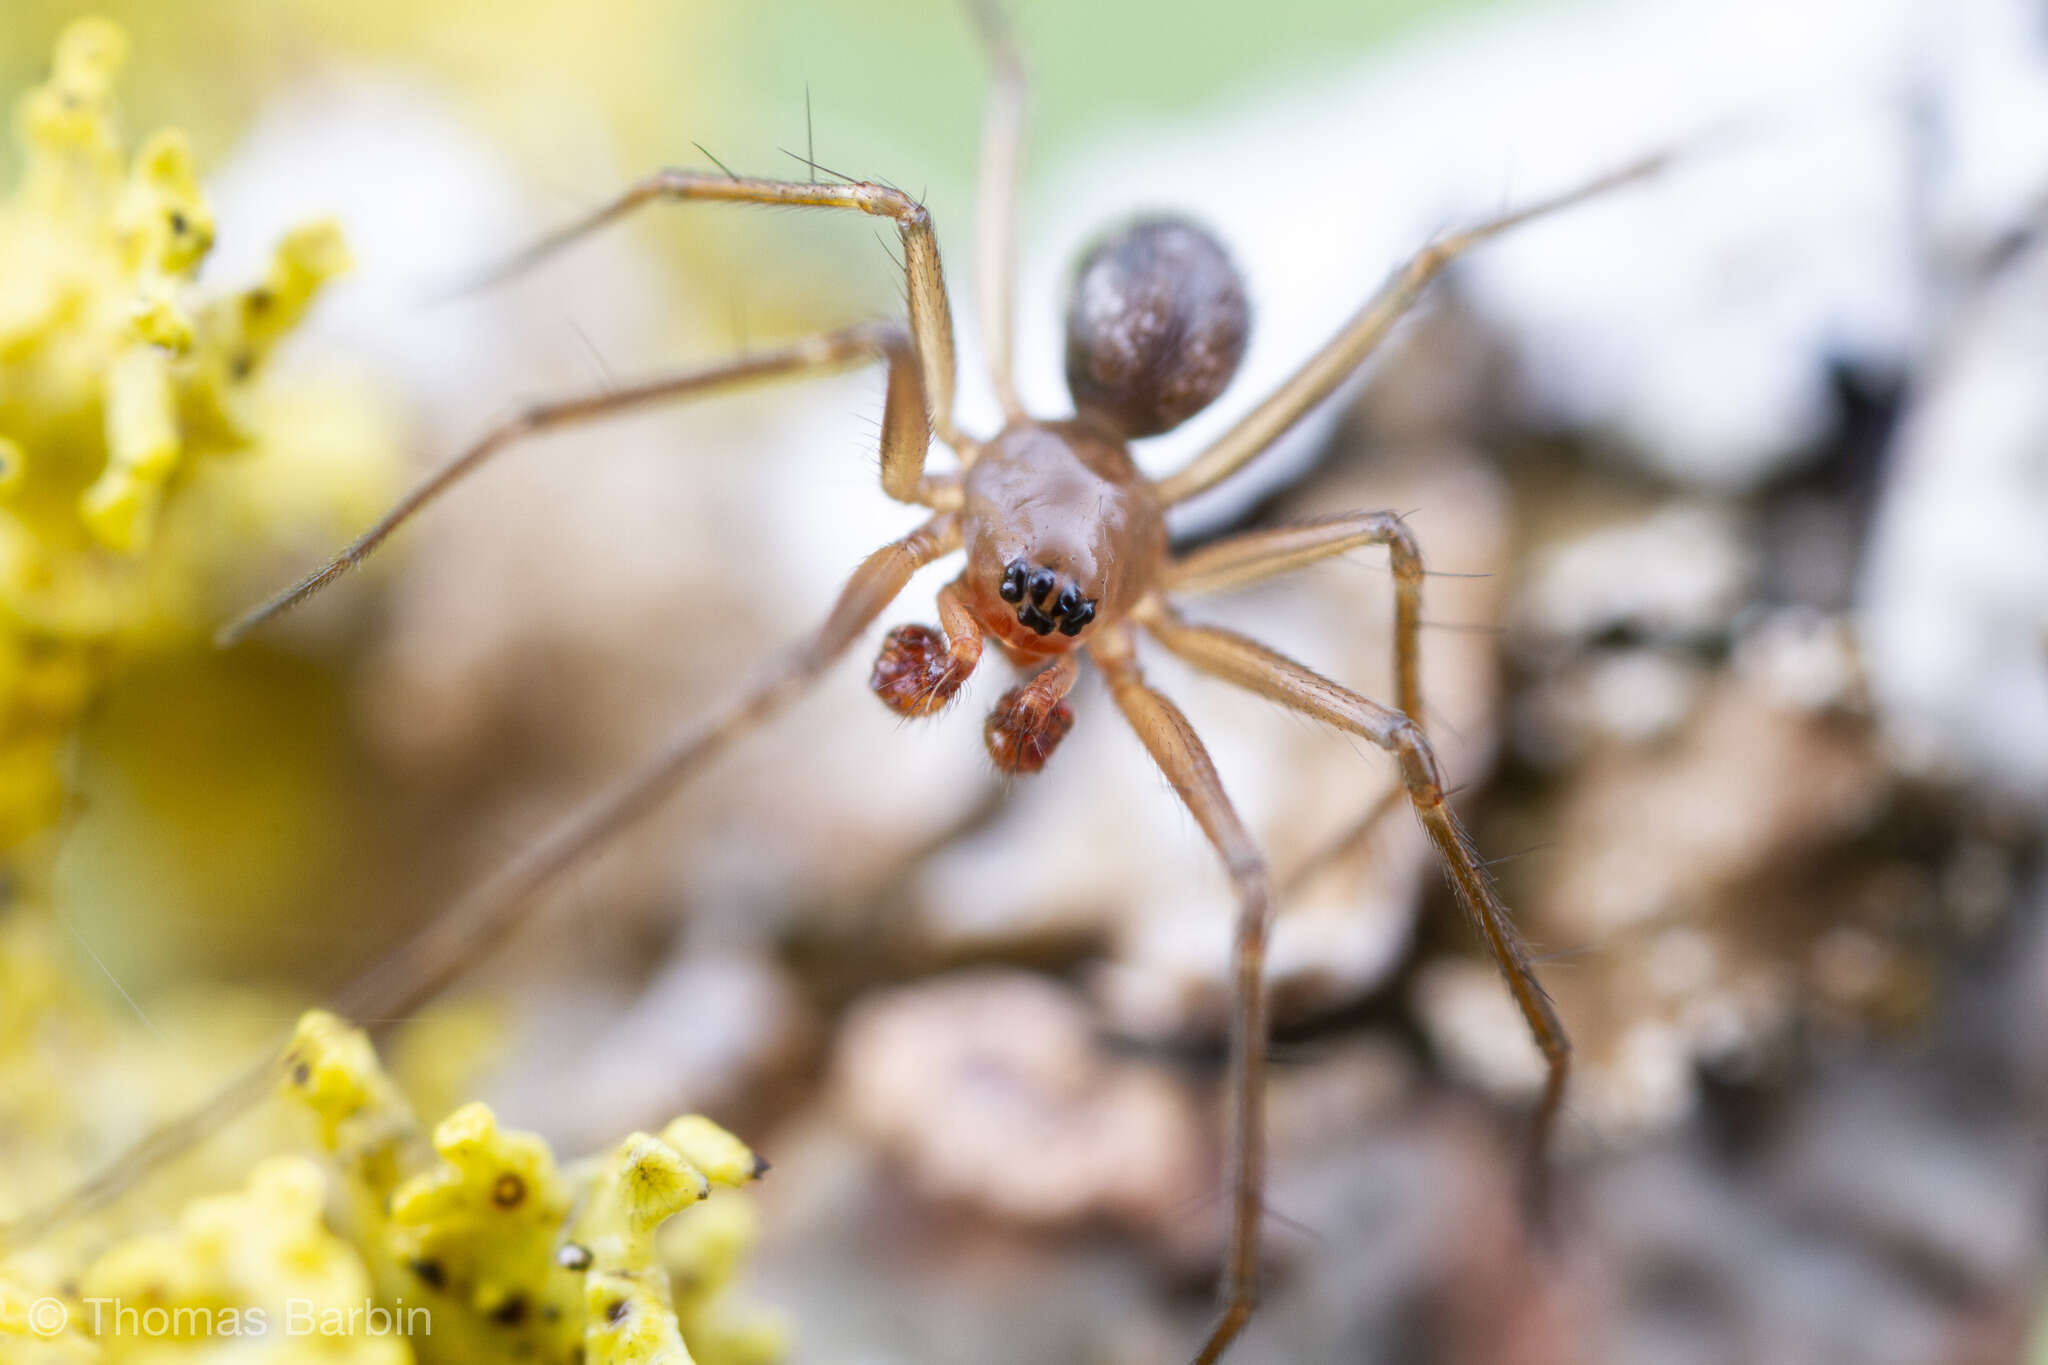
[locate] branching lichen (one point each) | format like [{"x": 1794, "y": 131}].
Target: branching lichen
[
  {"x": 123, "y": 387},
  {"x": 117, "y": 380},
  {"x": 133, "y": 406},
  {"x": 517, "y": 1257}
]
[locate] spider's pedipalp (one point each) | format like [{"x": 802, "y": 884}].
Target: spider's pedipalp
[
  {"x": 919, "y": 669},
  {"x": 1032, "y": 718}
]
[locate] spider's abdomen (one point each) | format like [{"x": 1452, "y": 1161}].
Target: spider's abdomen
[
  {"x": 1156, "y": 326},
  {"x": 1062, "y": 532}
]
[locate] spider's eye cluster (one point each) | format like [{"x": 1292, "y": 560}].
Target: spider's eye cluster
[
  {"x": 1043, "y": 602},
  {"x": 1156, "y": 326}
]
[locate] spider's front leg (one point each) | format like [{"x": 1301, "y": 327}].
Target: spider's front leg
[
  {"x": 466, "y": 930},
  {"x": 1252, "y": 666},
  {"x": 1184, "y": 762}
]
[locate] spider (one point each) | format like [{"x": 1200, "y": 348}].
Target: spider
[{"x": 1065, "y": 555}]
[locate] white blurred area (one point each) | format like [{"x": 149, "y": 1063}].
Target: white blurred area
[
  {"x": 1850, "y": 169},
  {"x": 1868, "y": 159}
]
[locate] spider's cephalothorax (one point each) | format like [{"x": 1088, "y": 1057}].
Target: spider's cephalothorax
[{"x": 1061, "y": 529}]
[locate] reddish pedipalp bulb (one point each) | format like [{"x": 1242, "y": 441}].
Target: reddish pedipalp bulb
[
  {"x": 1023, "y": 730},
  {"x": 915, "y": 675}
]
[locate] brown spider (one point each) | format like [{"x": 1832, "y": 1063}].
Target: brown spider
[{"x": 1066, "y": 553}]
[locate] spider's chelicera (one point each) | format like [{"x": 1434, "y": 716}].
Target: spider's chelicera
[{"x": 1066, "y": 554}]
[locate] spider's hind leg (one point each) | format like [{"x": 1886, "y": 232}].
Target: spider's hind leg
[{"x": 1343, "y": 353}]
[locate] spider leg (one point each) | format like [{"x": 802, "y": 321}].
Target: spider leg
[
  {"x": 1359, "y": 337},
  {"x": 995, "y": 215},
  {"x": 931, "y": 321},
  {"x": 905, "y": 438},
  {"x": 1179, "y": 752},
  {"x": 1252, "y": 666},
  {"x": 457, "y": 937},
  {"x": 1240, "y": 560}
]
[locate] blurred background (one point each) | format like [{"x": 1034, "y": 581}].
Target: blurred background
[{"x": 1735, "y": 486}]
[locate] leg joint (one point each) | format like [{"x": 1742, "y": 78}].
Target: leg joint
[
  {"x": 1405, "y": 554},
  {"x": 1418, "y": 762},
  {"x": 1427, "y": 262},
  {"x": 891, "y": 339},
  {"x": 1248, "y": 873}
]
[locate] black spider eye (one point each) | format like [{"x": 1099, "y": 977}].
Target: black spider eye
[
  {"x": 1036, "y": 619},
  {"x": 1077, "y": 619},
  {"x": 1013, "y": 581},
  {"x": 1069, "y": 601},
  {"x": 1041, "y": 585}
]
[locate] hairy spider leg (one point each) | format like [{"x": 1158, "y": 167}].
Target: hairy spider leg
[
  {"x": 463, "y": 933},
  {"x": 1359, "y": 337},
  {"x": 931, "y": 319},
  {"x": 1250, "y": 665},
  {"x": 905, "y": 438},
  {"x": 995, "y": 212},
  {"x": 1238, "y": 561},
  {"x": 1181, "y": 757}
]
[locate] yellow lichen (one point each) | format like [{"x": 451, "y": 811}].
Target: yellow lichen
[
  {"x": 130, "y": 403},
  {"x": 254, "y": 1275},
  {"x": 117, "y": 381},
  {"x": 261, "y": 1261},
  {"x": 516, "y": 1256},
  {"x": 142, "y": 452},
  {"x": 471, "y": 1246}
]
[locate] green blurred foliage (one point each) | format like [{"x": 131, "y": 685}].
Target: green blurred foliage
[
  {"x": 893, "y": 88},
  {"x": 724, "y": 73}
]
